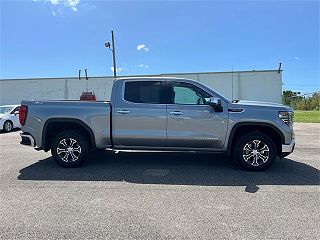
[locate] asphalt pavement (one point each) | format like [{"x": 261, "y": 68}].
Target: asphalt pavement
[{"x": 159, "y": 195}]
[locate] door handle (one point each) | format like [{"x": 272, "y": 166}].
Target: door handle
[
  {"x": 123, "y": 111},
  {"x": 176, "y": 113}
]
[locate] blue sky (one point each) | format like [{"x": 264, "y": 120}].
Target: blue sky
[{"x": 55, "y": 38}]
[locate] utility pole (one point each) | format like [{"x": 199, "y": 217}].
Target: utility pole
[
  {"x": 108, "y": 45},
  {"x": 114, "y": 56}
]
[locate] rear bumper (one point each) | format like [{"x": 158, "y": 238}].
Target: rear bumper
[
  {"x": 288, "y": 148},
  {"x": 27, "y": 140}
]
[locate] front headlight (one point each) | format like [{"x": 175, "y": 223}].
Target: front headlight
[{"x": 287, "y": 117}]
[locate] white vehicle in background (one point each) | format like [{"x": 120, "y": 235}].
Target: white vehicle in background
[{"x": 9, "y": 117}]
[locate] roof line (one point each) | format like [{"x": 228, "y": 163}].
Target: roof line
[{"x": 148, "y": 75}]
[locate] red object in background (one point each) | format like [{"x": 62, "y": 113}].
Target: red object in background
[
  {"x": 88, "y": 96},
  {"x": 23, "y": 111}
]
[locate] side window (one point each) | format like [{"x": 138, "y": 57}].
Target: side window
[
  {"x": 145, "y": 92},
  {"x": 186, "y": 93},
  {"x": 14, "y": 110}
]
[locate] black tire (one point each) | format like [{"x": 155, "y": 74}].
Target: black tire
[
  {"x": 260, "y": 146},
  {"x": 63, "y": 142},
  {"x": 7, "y": 126}
]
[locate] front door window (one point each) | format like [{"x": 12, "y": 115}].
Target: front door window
[{"x": 185, "y": 93}]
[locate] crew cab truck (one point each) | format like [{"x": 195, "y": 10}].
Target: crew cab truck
[{"x": 169, "y": 114}]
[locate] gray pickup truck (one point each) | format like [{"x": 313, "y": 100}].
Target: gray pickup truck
[{"x": 169, "y": 114}]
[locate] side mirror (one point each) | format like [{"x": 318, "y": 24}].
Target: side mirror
[{"x": 216, "y": 104}]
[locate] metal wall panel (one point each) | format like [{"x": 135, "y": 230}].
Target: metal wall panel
[{"x": 247, "y": 85}]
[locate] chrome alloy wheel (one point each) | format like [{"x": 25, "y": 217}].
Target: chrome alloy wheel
[
  {"x": 69, "y": 150},
  {"x": 255, "y": 153},
  {"x": 8, "y": 126}
]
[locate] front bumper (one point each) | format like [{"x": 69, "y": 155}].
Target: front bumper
[
  {"x": 288, "y": 148},
  {"x": 27, "y": 140}
]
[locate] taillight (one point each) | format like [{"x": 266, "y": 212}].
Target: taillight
[{"x": 23, "y": 111}]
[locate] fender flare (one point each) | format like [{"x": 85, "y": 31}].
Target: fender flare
[
  {"x": 66, "y": 120},
  {"x": 241, "y": 124}
]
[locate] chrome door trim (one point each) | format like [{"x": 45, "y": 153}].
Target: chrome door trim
[
  {"x": 176, "y": 113},
  {"x": 123, "y": 111}
]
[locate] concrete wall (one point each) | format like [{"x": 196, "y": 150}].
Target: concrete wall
[{"x": 248, "y": 85}]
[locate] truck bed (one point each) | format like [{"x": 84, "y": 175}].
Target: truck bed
[{"x": 94, "y": 115}]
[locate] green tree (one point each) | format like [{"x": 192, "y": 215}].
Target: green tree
[
  {"x": 304, "y": 102},
  {"x": 287, "y": 97}
]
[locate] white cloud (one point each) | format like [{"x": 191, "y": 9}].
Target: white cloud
[
  {"x": 296, "y": 58},
  {"x": 143, "y": 65},
  {"x": 119, "y": 69},
  {"x": 54, "y": 2},
  {"x": 142, "y": 47},
  {"x": 72, "y": 4},
  {"x": 57, "y": 5}
]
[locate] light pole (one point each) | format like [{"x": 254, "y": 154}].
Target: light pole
[{"x": 108, "y": 45}]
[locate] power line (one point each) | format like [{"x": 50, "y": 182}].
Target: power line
[{"x": 303, "y": 85}]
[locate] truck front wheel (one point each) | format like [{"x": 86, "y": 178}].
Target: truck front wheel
[
  {"x": 69, "y": 148},
  {"x": 255, "y": 151}
]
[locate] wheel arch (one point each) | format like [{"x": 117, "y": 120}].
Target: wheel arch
[
  {"x": 54, "y": 126},
  {"x": 266, "y": 128},
  {"x": 7, "y": 120}
]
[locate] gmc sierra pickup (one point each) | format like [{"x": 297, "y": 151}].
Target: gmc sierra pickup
[{"x": 160, "y": 114}]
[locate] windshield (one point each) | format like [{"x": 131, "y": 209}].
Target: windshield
[{"x": 4, "y": 110}]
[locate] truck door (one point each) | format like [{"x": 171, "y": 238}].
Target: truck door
[
  {"x": 139, "y": 115},
  {"x": 192, "y": 123}
]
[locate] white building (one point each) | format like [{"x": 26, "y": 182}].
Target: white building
[{"x": 264, "y": 85}]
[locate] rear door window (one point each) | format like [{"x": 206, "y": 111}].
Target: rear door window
[{"x": 152, "y": 92}]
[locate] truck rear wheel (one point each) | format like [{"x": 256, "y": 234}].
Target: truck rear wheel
[
  {"x": 255, "y": 151},
  {"x": 69, "y": 148}
]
